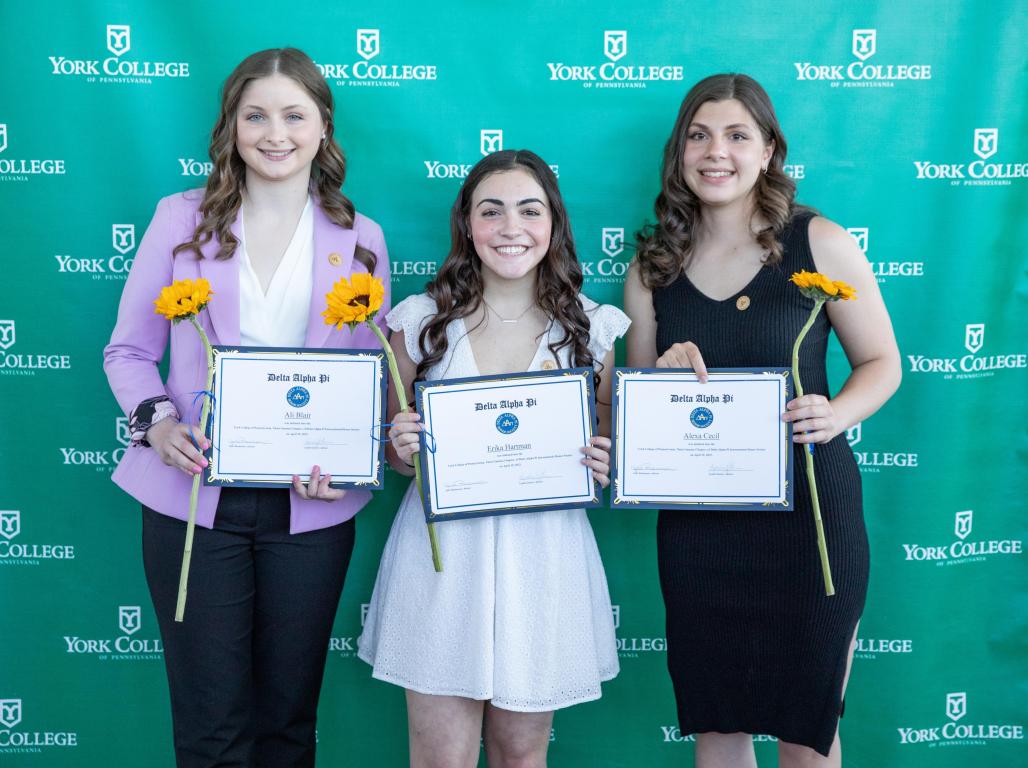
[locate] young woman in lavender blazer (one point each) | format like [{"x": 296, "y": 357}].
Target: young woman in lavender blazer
[{"x": 271, "y": 232}]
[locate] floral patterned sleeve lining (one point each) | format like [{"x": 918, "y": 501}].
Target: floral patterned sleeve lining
[{"x": 148, "y": 413}]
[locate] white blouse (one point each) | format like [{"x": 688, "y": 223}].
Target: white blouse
[{"x": 279, "y": 317}]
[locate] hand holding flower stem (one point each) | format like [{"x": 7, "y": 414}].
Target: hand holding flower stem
[
  {"x": 816, "y": 286},
  {"x": 178, "y": 301}
]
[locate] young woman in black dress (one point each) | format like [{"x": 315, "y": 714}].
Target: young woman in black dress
[{"x": 754, "y": 645}]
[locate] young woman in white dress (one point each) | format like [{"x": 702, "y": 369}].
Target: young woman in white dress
[{"x": 519, "y": 622}]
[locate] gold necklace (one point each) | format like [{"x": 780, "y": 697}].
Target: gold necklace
[{"x": 504, "y": 319}]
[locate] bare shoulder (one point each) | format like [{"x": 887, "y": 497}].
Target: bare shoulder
[
  {"x": 834, "y": 250},
  {"x": 633, "y": 281}
]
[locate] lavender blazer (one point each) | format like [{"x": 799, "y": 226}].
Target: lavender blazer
[{"x": 141, "y": 337}]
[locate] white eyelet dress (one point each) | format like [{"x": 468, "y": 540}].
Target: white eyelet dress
[{"x": 520, "y": 615}]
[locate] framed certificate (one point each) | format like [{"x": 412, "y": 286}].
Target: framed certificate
[
  {"x": 279, "y": 412},
  {"x": 680, "y": 444},
  {"x": 496, "y": 445}
]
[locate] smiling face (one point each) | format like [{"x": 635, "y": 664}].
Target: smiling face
[
  {"x": 510, "y": 224},
  {"x": 724, "y": 153},
  {"x": 278, "y": 129}
]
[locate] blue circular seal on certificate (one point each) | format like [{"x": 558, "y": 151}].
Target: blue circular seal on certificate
[
  {"x": 298, "y": 397},
  {"x": 507, "y": 423},
  {"x": 701, "y": 417}
]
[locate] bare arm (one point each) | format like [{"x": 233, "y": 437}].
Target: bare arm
[
  {"x": 641, "y": 339},
  {"x": 865, "y": 331},
  {"x": 597, "y": 453},
  {"x": 403, "y": 435}
]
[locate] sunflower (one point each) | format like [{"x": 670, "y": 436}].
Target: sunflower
[
  {"x": 183, "y": 298},
  {"x": 353, "y": 301},
  {"x": 816, "y": 286}
]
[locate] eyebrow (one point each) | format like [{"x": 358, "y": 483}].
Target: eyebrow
[
  {"x": 284, "y": 109},
  {"x": 526, "y": 201},
  {"x": 733, "y": 126}
]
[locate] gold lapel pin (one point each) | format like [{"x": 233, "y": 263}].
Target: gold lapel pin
[
  {"x": 548, "y": 365},
  {"x": 742, "y": 302},
  {"x": 335, "y": 259}
]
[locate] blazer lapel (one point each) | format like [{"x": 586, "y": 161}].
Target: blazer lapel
[
  {"x": 333, "y": 259},
  {"x": 223, "y": 275}
]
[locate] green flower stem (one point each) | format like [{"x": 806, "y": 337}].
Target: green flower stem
[
  {"x": 194, "y": 494},
  {"x": 401, "y": 395},
  {"x": 822, "y": 547}
]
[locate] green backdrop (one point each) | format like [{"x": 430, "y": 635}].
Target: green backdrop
[{"x": 906, "y": 124}]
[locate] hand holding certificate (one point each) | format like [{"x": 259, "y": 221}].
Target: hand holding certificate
[
  {"x": 278, "y": 413},
  {"x": 496, "y": 445},
  {"x": 719, "y": 445}
]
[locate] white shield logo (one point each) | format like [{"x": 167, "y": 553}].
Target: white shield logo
[
  {"x": 492, "y": 141},
  {"x": 616, "y": 610},
  {"x": 129, "y": 618},
  {"x": 864, "y": 43},
  {"x": 6, "y": 334},
  {"x": 963, "y": 524},
  {"x": 10, "y": 523},
  {"x": 956, "y": 705},
  {"x": 122, "y": 431},
  {"x": 853, "y": 434},
  {"x": 123, "y": 237},
  {"x": 368, "y": 43},
  {"x": 615, "y": 43},
  {"x": 10, "y": 712},
  {"x": 613, "y": 241},
  {"x": 986, "y": 142},
  {"x": 974, "y": 336},
  {"x": 860, "y": 235},
  {"x": 3, "y": 136},
  {"x": 364, "y": 612},
  {"x": 118, "y": 39}
]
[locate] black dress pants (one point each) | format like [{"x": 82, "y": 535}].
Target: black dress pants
[{"x": 245, "y": 667}]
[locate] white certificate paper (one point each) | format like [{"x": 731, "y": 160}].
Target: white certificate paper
[
  {"x": 498, "y": 445},
  {"x": 720, "y": 445},
  {"x": 279, "y": 412}
]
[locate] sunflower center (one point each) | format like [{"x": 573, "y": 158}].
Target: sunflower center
[{"x": 364, "y": 301}]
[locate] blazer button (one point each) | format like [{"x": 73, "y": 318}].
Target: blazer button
[
  {"x": 549, "y": 365},
  {"x": 743, "y": 302},
  {"x": 335, "y": 259}
]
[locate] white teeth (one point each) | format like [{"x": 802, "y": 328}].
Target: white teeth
[
  {"x": 276, "y": 153},
  {"x": 511, "y": 250},
  {"x": 716, "y": 174}
]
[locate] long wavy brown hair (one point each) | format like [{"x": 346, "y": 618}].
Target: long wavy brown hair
[
  {"x": 665, "y": 247},
  {"x": 224, "y": 192},
  {"x": 457, "y": 289}
]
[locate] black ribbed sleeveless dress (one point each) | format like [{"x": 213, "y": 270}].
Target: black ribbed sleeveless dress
[{"x": 754, "y": 645}]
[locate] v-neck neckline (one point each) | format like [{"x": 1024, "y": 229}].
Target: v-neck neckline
[
  {"x": 735, "y": 295},
  {"x": 286, "y": 254},
  {"x": 463, "y": 328}
]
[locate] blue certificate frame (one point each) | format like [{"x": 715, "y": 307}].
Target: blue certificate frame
[
  {"x": 669, "y": 452},
  {"x": 471, "y": 465},
  {"x": 292, "y": 408}
]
